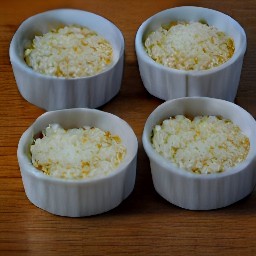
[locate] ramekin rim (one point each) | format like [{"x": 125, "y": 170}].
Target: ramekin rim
[
  {"x": 15, "y": 60},
  {"x": 24, "y": 159},
  {"x": 172, "y": 168},
  {"x": 141, "y": 53}
]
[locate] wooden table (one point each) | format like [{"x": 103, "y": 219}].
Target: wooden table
[{"x": 144, "y": 224}]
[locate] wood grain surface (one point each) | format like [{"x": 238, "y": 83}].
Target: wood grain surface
[{"x": 144, "y": 224}]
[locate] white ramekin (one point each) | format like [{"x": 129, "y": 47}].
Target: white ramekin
[
  {"x": 168, "y": 83},
  {"x": 85, "y": 197},
  {"x": 52, "y": 93},
  {"x": 201, "y": 191}
]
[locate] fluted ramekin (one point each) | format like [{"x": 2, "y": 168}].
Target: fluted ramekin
[
  {"x": 167, "y": 83},
  {"x": 53, "y": 93},
  {"x": 85, "y": 197},
  {"x": 202, "y": 191}
]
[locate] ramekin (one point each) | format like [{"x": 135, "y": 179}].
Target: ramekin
[
  {"x": 167, "y": 83},
  {"x": 201, "y": 191},
  {"x": 53, "y": 93},
  {"x": 85, "y": 197}
]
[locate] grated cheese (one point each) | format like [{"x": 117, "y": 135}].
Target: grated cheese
[
  {"x": 204, "y": 144},
  {"x": 77, "y": 153},
  {"x": 70, "y": 52},
  {"x": 189, "y": 46}
]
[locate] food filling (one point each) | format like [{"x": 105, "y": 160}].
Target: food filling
[
  {"x": 77, "y": 153},
  {"x": 203, "y": 144},
  {"x": 70, "y": 52},
  {"x": 189, "y": 46}
]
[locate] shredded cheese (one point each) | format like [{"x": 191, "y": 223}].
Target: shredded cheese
[
  {"x": 70, "y": 52},
  {"x": 204, "y": 144},
  {"x": 77, "y": 153},
  {"x": 189, "y": 46}
]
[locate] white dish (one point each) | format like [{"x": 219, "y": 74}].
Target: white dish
[
  {"x": 85, "y": 197},
  {"x": 201, "y": 191},
  {"x": 168, "y": 83},
  {"x": 52, "y": 93}
]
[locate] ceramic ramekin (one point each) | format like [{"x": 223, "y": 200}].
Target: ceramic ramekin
[
  {"x": 85, "y": 197},
  {"x": 202, "y": 191},
  {"x": 168, "y": 83},
  {"x": 52, "y": 93}
]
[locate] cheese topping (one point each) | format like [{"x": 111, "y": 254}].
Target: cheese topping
[
  {"x": 204, "y": 144},
  {"x": 189, "y": 46},
  {"x": 77, "y": 153},
  {"x": 70, "y": 52}
]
